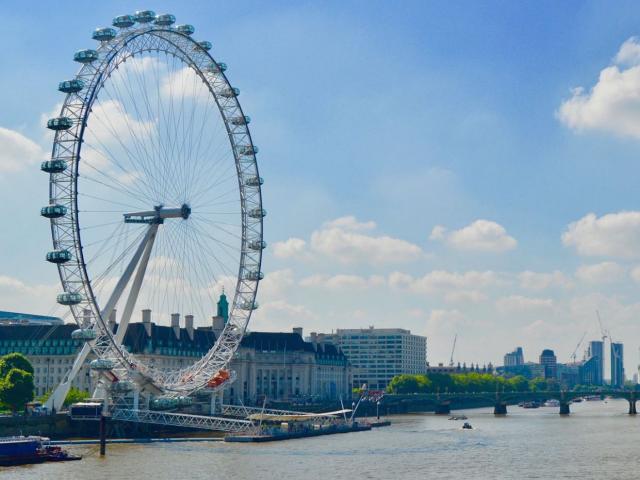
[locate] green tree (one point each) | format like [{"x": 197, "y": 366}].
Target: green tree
[
  {"x": 75, "y": 395},
  {"x": 409, "y": 384},
  {"x": 14, "y": 360},
  {"x": 17, "y": 389}
]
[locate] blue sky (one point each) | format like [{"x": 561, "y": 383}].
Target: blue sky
[{"x": 377, "y": 122}]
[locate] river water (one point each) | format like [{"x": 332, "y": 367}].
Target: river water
[{"x": 597, "y": 441}]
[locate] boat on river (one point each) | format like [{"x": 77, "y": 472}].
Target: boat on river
[{"x": 21, "y": 450}]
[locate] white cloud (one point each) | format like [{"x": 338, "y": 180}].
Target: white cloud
[
  {"x": 539, "y": 281},
  {"x": 18, "y": 151},
  {"x": 605, "y": 272},
  {"x": 614, "y": 234},
  {"x": 348, "y": 246},
  {"x": 629, "y": 53},
  {"x": 350, "y": 223},
  {"x": 447, "y": 282},
  {"x": 343, "y": 282},
  {"x": 280, "y": 315},
  {"x": 635, "y": 274},
  {"x": 275, "y": 284},
  {"x": 464, "y": 296},
  {"x": 519, "y": 303},
  {"x": 480, "y": 236},
  {"x": 290, "y": 248},
  {"x": 613, "y": 103},
  {"x": 347, "y": 241},
  {"x": 441, "y": 322},
  {"x": 16, "y": 295}
]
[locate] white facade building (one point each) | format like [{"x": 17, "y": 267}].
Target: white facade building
[{"x": 377, "y": 355}]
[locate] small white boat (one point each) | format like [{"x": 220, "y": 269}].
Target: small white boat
[{"x": 551, "y": 403}]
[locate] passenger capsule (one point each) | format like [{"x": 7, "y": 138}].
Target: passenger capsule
[
  {"x": 122, "y": 386},
  {"x": 184, "y": 401},
  {"x": 144, "y": 16},
  {"x": 257, "y": 213},
  {"x": 254, "y": 181},
  {"x": 254, "y": 275},
  {"x": 257, "y": 244},
  {"x": 165, "y": 20},
  {"x": 104, "y": 34},
  {"x": 241, "y": 120},
  {"x": 53, "y": 211},
  {"x": 205, "y": 45},
  {"x": 186, "y": 29},
  {"x": 123, "y": 21},
  {"x": 85, "y": 56},
  {"x": 216, "y": 67},
  {"x": 59, "y": 123},
  {"x": 230, "y": 92},
  {"x": 164, "y": 403},
  {"x": 247, "y": 149},
  {"x": 59, "y": 256},
  {"x": 71, "y": 86},
  {"x": 53, "y": 166},
  {"x": 246, "y": 305},
  {"x": 102, "y": 364},
  {"x": 69, "y": 298},
  {"x": 84, "y": 334}
]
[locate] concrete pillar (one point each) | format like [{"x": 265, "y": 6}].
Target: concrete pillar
[
  {"x": 175, "y": 324},
  {"x": 112, "y": 320},
  {"x": 146, "y": 320},
  {"x": 500, "y": 408},
  {"x": 188, "y": 324},
  {"x": 564, "y": 408}
]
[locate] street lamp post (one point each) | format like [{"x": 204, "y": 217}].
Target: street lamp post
[{"x": 378, "y": 409}]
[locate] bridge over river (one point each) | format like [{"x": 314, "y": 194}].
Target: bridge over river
[{"x": 443, "y": 403}]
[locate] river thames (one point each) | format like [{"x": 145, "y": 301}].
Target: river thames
[{"x": 598, "y": 440}]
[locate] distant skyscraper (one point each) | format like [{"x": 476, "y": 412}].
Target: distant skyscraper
[
  {"x": 515, "y": 358},
  {"x": 550, "y": 363},
  {"x": 596, "y": 350},
  {"x": 617, "y": 365}
]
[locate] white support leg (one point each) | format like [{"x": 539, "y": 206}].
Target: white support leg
[{"x": 56, "y": 399}]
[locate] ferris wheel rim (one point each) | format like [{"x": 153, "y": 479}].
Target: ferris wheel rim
[{"x": 126, "y": 37}]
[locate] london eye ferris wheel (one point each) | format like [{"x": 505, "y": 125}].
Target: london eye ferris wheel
[{"x": 154, "y": 198}]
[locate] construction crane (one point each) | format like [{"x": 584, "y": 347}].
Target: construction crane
[
  {"x": 603, "y": 332},
  {"x": 573, "y": 355},
  {"x": 453, "y": 349}
]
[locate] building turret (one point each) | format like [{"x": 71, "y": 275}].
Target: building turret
[{"x": 223, "y": 307}]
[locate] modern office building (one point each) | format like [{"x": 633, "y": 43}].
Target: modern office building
[
  {"x": 378, "y": 354},
  {"x": 596, "y": 351},
  {"x": 617, "y": 365},
  {"x": 515, "y": 358},
  {"x": 549, "y": 362}
]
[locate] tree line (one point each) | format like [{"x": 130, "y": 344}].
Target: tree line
[{"x": 472, "y": 382}]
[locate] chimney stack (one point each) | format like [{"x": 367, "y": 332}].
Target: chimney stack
[
  {"x": 146, "y": 320},
  {"x": 297, "y": 330},
  {"x": 188, "y": 324},
  {"x": 112, "y": 321},
  {"x": 313, "y": 336},
  {"x": 175, "y": 324},
  {"x": 218, "y": 325}
]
